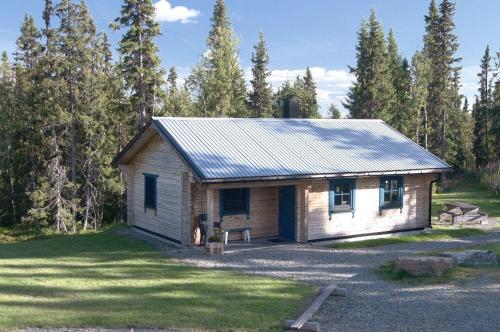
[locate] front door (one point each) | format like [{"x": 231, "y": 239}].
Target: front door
[{"x": 287, "y": 213}]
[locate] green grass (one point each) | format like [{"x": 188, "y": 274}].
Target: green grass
[
  {"x": 107, "y": 280},
  {"x": 438, "y": 233},
  {"x": 9, "y": 235},
  {"x": 467, "y": 190}
]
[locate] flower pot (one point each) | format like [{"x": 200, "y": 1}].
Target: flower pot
[{"x": 214, "y": 248}]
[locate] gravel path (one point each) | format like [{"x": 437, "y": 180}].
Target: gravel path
[{"x": 372, "y": 304}]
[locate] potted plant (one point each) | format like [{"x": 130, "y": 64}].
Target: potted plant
[{"x": 214, "y": 244}]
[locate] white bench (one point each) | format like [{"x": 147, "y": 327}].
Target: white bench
[{"x": 244, "y": 230}]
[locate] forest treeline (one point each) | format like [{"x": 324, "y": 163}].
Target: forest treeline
[{"x": 67, "y": 107}]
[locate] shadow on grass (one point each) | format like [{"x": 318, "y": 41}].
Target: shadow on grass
[{"x": 107, "y": 280}]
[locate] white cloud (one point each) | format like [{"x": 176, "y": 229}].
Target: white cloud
[
  {"x": 331, "y": 84},
  {"x": 164, "y": 12}
]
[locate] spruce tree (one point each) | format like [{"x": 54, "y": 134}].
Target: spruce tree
[
  {"x": 357, "y": 95},
  {"x": 309, "y": 105},
  {"x": 217, "y": 82},
  {"x": 373, "y": 94},
  {"x": 440, "y": 45},
  {"x": 334, "y": 112},
  {"x": 8, "y": 183},
  {"x": 484, "y": 143},
  {"x": 420, "y": 77},
  {"x": 177, "y": 102},
  {"x": 399, "y": 116},
  {"x": 27, "y": 122},
  {"x": 140, "y": 63},
  {"x": 261, "y": 94}
]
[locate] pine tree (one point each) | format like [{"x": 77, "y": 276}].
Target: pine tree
[
  {"x": 357, "y": 94},
  {"x": 399, "y": 116},
  {"x": 217, "y": 82},
  {"x": 309, "y": 105},
  {"x": 177, "y": 102},
  {"x": 172, "y": 80},
  {"x": 334, "y": 112},
  {"x": 262, "y": 94},
  {"x": 8, "y": 182},
  {"x": 420, "y": 77},
  {"x": 140, "y": 62},
  {"x": 484, "y": 143},
  {"x": 26, "y": 126},
  {"x": 460, "y": 135},
  {"x": 440, "y": 47},
  {"x": 372, "y": 96}
]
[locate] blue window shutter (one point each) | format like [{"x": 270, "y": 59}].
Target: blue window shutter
[
  {"x": 247, "y": 203},
  {"x": 330, "y": 199},
  {"x": 145, "y": 194},
  {"x": 221, "y": 203},
  {"x": 353, "y": 196},
  {"x": 401, "y": 192},
  {"x": 381, "y": 195},
  {"x": 154, "y": 193}
]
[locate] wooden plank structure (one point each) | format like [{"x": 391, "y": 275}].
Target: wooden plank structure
[
  {"x": 459, "y": 212},
  {"x": 302, "y": 323}
]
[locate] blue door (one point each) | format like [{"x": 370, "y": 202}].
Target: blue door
[{"x": 287, "y": 213}]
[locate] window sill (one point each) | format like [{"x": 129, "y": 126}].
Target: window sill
[
  {"x": 341, "y": 211},
  {"x": 236, "y": 214},
  {"x": 391, "y": 207}
]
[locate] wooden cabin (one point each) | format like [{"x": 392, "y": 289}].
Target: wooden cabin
[{"x": 298, "y": 180}]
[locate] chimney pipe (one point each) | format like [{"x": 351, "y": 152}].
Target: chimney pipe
[{"x": 291, "y": 108}]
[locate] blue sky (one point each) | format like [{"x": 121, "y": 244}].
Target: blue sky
[{"x": 316, "y": 33}]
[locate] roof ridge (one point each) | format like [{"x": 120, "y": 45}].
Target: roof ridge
[{"x": 261, "y": 119}]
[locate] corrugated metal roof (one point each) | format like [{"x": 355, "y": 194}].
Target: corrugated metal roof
[{"x": 225, "y": 148}]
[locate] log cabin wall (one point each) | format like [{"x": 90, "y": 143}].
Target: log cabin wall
[
  {"x": 173, "y": 196},
  {"x": 367, "y": 218}
]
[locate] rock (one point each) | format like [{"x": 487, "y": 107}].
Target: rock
[
  {"x": 424, "y": 265},
  {"x": 473, "y": 257}
]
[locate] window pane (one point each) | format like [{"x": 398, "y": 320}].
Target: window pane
[
  {"x": 149, "y": 183},
  {"x": 235, "y": 201},
  {"x": 394, "y": 184},
  {"x": 337, "y": 189},
  {"x": 346, "y": 188},
  {"x": 346, "y": 200},
  {"x": 387, "y": 196},
  {"x": 338, "y": 200}
]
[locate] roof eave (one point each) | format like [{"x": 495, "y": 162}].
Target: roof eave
[{"x": 327, "y": 175}]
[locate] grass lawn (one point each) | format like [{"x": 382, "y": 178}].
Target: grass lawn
[
  {"x": 108, "y": 280},
  {"x": 468, "y": 190},
  {"x": 438, "y": 233}
]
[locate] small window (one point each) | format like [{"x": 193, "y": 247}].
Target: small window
[
  {"x": 391, "y": 192},
  {"x": 150, "y": 191},
  {"x": 341, "y": 195},
  {"x": 234, "y": 201}
]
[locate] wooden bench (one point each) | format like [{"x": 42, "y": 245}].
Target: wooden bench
[{"x": 245, "y": 230}]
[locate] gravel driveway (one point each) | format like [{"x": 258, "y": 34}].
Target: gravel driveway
[{"x": 372, "y": 304}]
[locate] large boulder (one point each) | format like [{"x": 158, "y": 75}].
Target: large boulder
[
  {"x": 424, "y": 265},
  {"x": 473, "y": 257}
]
